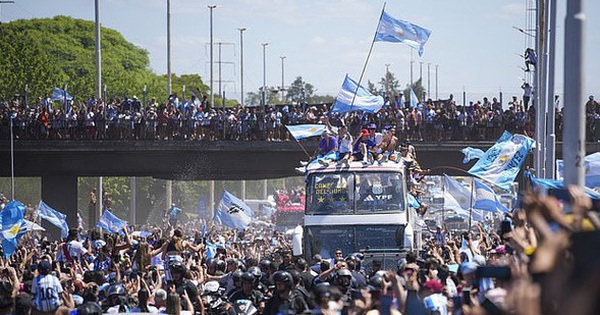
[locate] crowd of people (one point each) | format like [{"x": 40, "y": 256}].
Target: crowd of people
[
  {"x": 539, "y": 261},
  {"x": 194, "y": 119}
]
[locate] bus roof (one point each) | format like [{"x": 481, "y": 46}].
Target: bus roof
[{"x": 355, "y": 166}]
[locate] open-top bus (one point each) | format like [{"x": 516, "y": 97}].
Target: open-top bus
[{"x": 356, "y": 208}]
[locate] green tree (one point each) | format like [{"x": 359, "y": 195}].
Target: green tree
[
  {"x": 299, "y": 90},
  {"x": 59, "y": 51}
]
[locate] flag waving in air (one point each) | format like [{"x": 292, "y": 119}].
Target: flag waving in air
[
  {"x": 233, "y": 212},
  {"x": 56, "y": 218},
  {"x": 398, "y": 31},
  {"x": 306, "y": 130},
  {"x": 11, "y": 219},
  {"x": 110, "y": 222},
  {"x": 364, "y": 100},
  {"x": 501, "y": 163}
]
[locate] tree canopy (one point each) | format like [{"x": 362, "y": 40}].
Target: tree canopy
[{"x": 54, "y": 52}]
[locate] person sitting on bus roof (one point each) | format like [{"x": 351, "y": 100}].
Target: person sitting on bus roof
[
  {"x": 362, "y": 147},
  {"x": 327, "y": 150},
  {"x": 377, "y": 138},
  {"x": 345, "y": 142},
  {"x": 388, "y": 144}
]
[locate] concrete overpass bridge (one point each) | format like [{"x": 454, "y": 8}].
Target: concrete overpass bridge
[{"x": 60, "y": 163}]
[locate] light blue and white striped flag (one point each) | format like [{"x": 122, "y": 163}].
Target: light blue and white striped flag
[
  {"x": 458, "y": 198},
  {"x": 471, "y": 154},
  {"x": 306, "y": 130},
  {"x": 394, "y": 30},
  {"x": 11, "y": 220},
  {"x": 414, "y": 100},
  {"x": 364, "y": 100},
  {"x": 501, "y": 163},
  {"x": 486, "y": 199},
  {"x": 413, "y": 202},
  {"x": 233, "y": 212},
  {"x": 110, "y": 222},
  {"x": 56, "y": 218}
]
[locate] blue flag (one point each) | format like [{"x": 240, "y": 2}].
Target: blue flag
[
  {"x": 486, "y": 199},
  {"x": 559, "y": 184},
  {"x": 56, "y": 218},
  {"x": 413, "y": 202},
  {"x": 59, "y": 95},
  {"x": 233, "y": 212},
  {"x": 414, "y": 100},
  {"x": 203, "y": 233},
  {"x": 592, "y": 170},
  {"x": 459, "y": 198},
  {"x": 502, "y": 162},
  {"x": 306, "y": 130},
  {"x": 398, "y": 31},
  {"x": 110, "y": 222},
  {"x": 11, "y": 220},
  {"x": 471, "y": 154},
  {"x": 364, "y": 100}
]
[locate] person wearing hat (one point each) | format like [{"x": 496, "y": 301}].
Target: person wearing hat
[
  {"x": 362, "y": 146},
  {"x": 47, "y": 290}
]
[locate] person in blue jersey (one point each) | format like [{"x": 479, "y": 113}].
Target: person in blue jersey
[
  {"x": 172, "y": 214},
  {"x": 47, "y": 290}
]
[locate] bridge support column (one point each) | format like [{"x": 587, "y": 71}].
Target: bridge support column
[{"x": 60, "y": 193}]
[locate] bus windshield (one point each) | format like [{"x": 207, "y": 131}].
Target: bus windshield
[
  {"x": 355, "y": 193},
  {"x": 324, "y": 240}
]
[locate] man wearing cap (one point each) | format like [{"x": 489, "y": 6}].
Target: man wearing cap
[{"x": 362, "y": 146}]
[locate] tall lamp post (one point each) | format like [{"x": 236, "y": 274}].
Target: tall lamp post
[
  {"x": 169, "y": 48},
  {"x": 212, "y": 94},
  {"x": 264, "y": 89},
  {"x": 282, "y": 78},
  {"x": 242, "y": 29}
]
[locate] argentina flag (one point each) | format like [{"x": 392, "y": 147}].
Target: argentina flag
[
  {"x": 398, "y": 31},
  {"x": 502, "y": 162},
  {"x": 233, "y": 212},
  {"x": 364, "y": 100},
  {"x": 56, "y": 218},
  {"x": 414, "y": 100},
  {"x": 59, "y": 95},
  {"x": 459, "y": 198},
  {"x": 471, "y": 154},
  {"x": 486, "y": 199},
  {"x": 306, "y": 130},
  {"x": 11, "y": 220},
  {"x": 110, "y": 222}
]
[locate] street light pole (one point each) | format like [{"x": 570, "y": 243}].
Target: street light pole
[
  {"x": 574, "y": 110},
  {"x": 242, "y": 64},
  {"x": 282, "y": 78},
  {"x": 169, "y": 86},
  {"x": 428, "y": 80},
  {"x": 264, "y": 90},
  {"x": 98, "y": 52},
  {"x": 4, "y": 2},
  {"x": 436, "y": 82},
  {"x": 387, "y": 83},
  {"x": 212, "y": 94}
]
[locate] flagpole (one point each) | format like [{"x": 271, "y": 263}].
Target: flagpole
[
  {"x": 444, "y": 203},
  {"x": 362, "y": 73},
  {"x": 471, "y": 204},
  {"x": 303, "y": 148}
]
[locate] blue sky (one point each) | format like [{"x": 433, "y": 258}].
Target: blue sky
[{"x": 472, "y": 41}]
